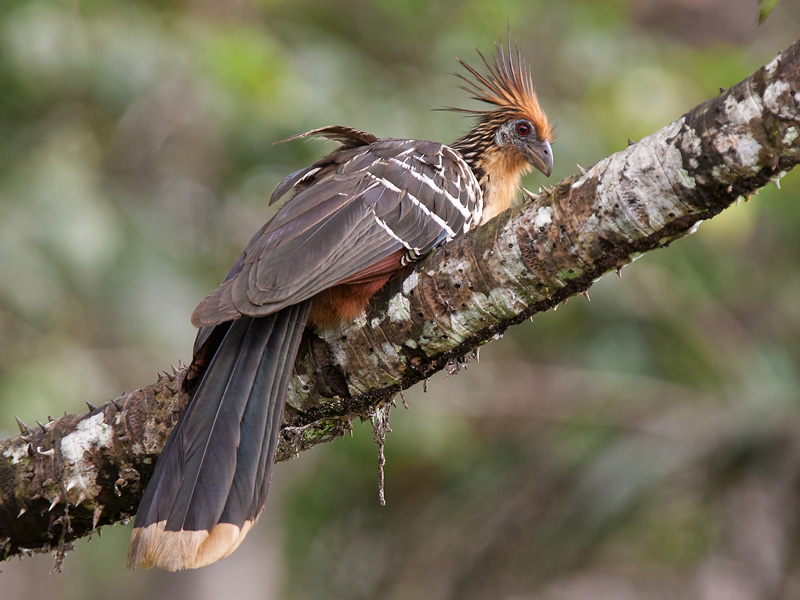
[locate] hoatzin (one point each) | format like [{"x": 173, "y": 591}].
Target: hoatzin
[{"x": 355, "y": 218}]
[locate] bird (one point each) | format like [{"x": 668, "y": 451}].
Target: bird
[{"x": 355, "y": 218}]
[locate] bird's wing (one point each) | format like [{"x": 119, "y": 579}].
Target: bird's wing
[{"x": 355, "y": 207}]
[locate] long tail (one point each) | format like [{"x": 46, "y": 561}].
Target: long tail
[{"x": 211, "y": 480}]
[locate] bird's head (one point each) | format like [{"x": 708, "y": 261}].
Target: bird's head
[
  {"x": 521, "y": 135},
  {"x": 515, "y": 124}
]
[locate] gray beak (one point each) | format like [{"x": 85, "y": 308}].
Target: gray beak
[{"x": 540, "y": 155}]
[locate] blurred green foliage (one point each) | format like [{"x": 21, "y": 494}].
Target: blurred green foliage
[{"x": 641, "y": 445}]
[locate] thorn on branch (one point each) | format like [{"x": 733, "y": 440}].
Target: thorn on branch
[{"x": 23, "y": 429}]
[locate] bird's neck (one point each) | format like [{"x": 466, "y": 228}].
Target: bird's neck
[
  {"x": 501, "y": 174},
  {"x": 498, "y": 170}
]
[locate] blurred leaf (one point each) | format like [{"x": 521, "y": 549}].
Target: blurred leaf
[{"x": 765, "y": 8}]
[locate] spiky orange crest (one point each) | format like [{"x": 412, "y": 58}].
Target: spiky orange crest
[{"x": 509, "y": 87}]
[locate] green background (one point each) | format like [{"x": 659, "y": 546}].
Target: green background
[{"x": 644, "y": 444}]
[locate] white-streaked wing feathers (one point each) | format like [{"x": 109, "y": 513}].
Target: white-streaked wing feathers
[{"x": 353, "y": 208}]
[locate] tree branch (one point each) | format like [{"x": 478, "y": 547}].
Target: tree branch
[{"x": 62, "y": 480}]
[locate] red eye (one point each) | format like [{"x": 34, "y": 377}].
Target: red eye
[{"x": 523, "y": 129}]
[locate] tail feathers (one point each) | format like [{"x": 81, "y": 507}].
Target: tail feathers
[
  {"x": 211, "y": 480},
  {"x": 154, "y": 546}
]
